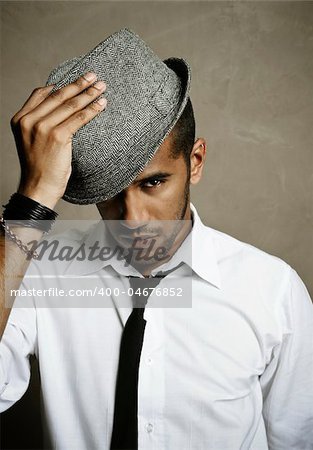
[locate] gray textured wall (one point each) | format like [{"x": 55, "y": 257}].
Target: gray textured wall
[{"x": 252, "y": 66}]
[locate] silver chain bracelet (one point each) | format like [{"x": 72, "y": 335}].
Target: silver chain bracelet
[{"x": 30, "y": 253}]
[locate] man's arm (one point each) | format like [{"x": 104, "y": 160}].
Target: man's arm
[
  {"x": 43, "y": 131},
  {"x": 287, "y": 382},
  {"x": 13, "y": 265}
]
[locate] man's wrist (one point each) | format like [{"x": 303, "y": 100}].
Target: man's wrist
[
  {"x": 41, "y": 196},
  {"x": 25, "y": 211}
]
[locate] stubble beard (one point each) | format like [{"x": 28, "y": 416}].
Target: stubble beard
[{"x": 179, "y": 217}]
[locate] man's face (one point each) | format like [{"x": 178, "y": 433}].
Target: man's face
[{"x": 155, "y": 207}]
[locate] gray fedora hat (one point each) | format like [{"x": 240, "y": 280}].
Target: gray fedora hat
[{"x": 145, "y": 95}]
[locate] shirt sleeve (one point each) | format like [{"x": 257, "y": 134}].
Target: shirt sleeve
[
  {"x": 17, "y": 344},
  {"x": 287, "y": 382}
]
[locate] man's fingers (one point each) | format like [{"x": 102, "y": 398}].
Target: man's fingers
[
  {"x": 36, "y": 97},
  {"x": 73, "y": 105},
  {"x": 80, "y": 118},
  {"x": 60, "y": 96}
]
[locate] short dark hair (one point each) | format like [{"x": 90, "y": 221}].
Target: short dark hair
[{"x": 183, "y": 134}]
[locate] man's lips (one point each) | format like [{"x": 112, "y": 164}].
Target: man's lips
[{"x": 139, "y": 238}]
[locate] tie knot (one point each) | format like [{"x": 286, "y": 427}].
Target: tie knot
[{"x": 142, "y": 287}]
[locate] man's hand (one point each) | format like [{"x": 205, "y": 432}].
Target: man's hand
[{"x": 43, "y": 131}]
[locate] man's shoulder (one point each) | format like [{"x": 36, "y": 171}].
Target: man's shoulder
[
  {"x": 71, "y": 234},
  {"x": 246, "y": 257},
  {"x": 58, "y": 250}
]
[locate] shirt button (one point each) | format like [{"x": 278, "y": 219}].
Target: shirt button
[
  {"x": 149, "y": 427},
  {"x": 149, "y": 361}
]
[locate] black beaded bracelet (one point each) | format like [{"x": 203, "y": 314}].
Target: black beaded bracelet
[{"x": 22, "y": 210}]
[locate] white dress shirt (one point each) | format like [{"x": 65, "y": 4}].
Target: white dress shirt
[{"x": 231, "y": 370}]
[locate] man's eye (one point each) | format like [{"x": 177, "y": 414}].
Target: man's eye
[{"x": 152, "y": 183}]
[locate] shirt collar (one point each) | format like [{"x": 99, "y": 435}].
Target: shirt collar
[
  {"x": 197, "y": 250},
  {"x": 204, "y": 257}
]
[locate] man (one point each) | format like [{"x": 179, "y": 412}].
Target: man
[{"x": 230, "y": 368}]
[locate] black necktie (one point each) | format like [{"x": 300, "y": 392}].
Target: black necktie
[{"x": 125, "y": 423}]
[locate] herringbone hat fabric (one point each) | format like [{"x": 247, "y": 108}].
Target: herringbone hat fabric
[{"x": 145, "y": 95}]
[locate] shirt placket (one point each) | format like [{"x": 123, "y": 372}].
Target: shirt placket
[{"x": 151, "y": 383}]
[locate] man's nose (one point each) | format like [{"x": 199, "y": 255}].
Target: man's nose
[{"x": 133, "y": 212}]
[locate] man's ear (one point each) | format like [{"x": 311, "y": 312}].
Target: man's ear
[{"x": 197, "y": 159}]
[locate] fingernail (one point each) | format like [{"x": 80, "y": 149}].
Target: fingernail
[
  {"x": 101, "y": 101},
  {"x": 99, "y": 85},
  {"x": 89, "y": 76}
]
